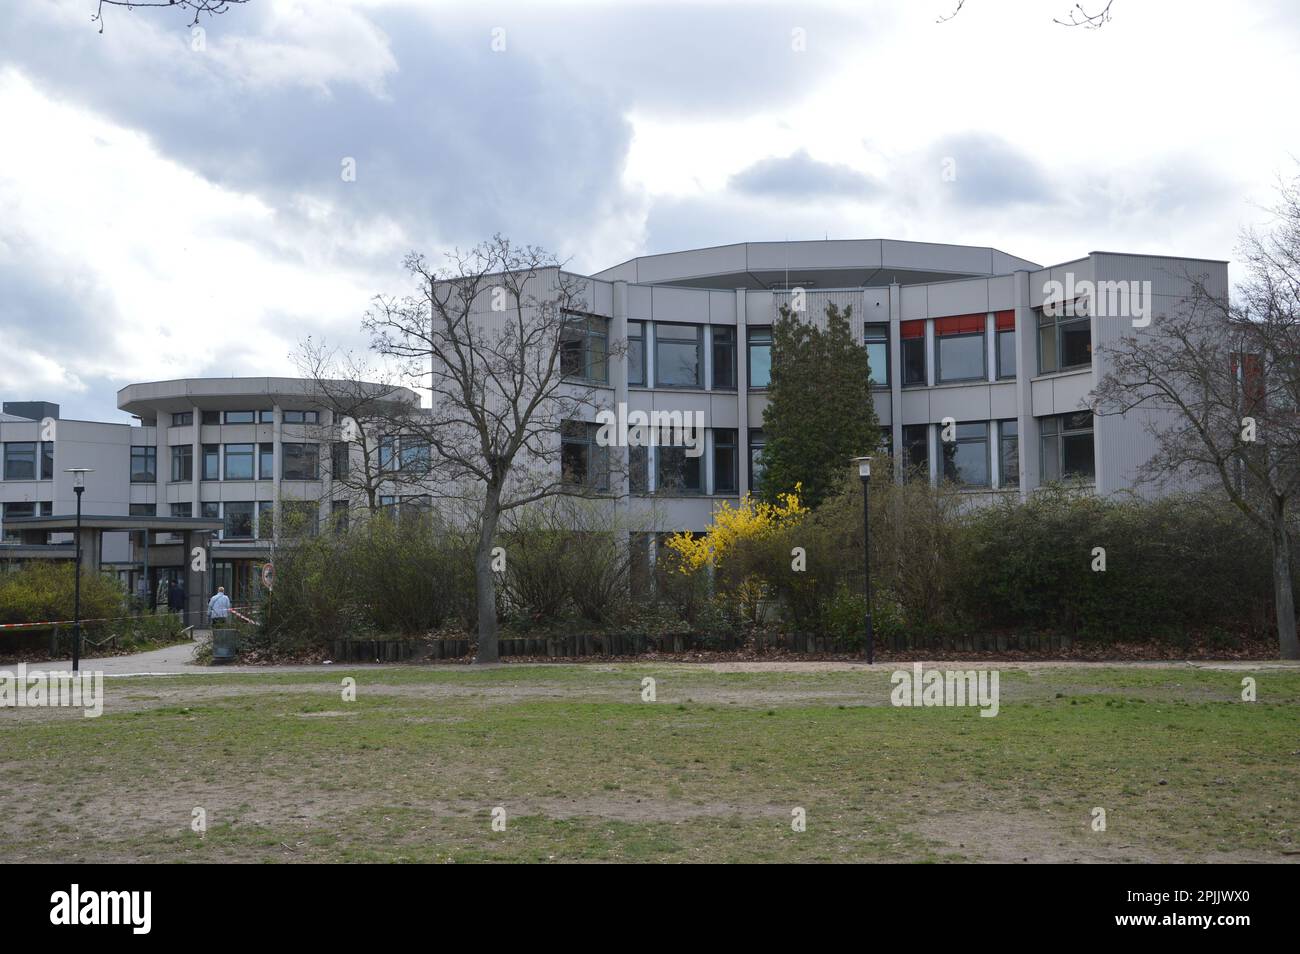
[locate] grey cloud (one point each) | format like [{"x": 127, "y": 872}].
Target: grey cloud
[
  {"x": 799, "y": 176},
  {"x": 988, "y": 171}
]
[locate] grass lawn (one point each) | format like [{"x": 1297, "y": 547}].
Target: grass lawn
[{"x": 288, "y": 771}]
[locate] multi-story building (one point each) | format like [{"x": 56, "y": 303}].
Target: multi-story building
[{"x": 981, "y": 362}]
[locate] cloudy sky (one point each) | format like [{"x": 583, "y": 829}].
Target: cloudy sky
[{"x": 174, "y": 204}]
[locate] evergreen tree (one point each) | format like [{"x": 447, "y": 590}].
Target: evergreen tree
[{"x": 820, "y": 412}]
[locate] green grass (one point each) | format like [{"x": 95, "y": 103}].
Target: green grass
[{"x": 585, "y": 770}]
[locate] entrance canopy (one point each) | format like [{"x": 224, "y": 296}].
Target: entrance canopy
[{"x": 68, "y": 523}]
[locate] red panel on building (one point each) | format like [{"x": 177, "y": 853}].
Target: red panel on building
[
  {"x": 1006, "y": 320},
  {"x": 912, "y": 329},
  {"x": 959, "y": 325}
]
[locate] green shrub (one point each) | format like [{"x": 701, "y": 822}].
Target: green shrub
[{"x": 45, "y": 590}]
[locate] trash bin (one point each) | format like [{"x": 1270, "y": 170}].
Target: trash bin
[{"x": 223, "y": 645}]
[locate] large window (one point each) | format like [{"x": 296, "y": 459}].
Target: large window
[
  {"x": 182, "y": 419},
  {"x": 266, "y": 461},
  {"x": 210, "y": 417},
  {"x": 916, "y": 451},
  {"x": 966, "y": 457},
  {"x": 726, "y": 460},
  {"x": 11, "y": 510},
  {"x": 583, "y": 347},
  {"x": 679, "y": 353},
  {"x": 182, "y": 509},
  {"x": 302, "y": 417},
  {"x": 876, "y": 339},
  {"x": 301, "y": 517},
  {"x": 20, "y": 460},
  {"x": 239, "y": 461},
  {"x": 340, "y": 459},
  {"x": 300, "y": 461},
  {"x": 405, "y": 453},
  {"x": 183, "y": 462},
  {"x": 211, "y": 510},
  {"x": 47, "y": 460},
  {"x": 211, "y": 462},
  {"x": 339, "y": 515},
  {"x": 1067, "y": 450},
  {"x": 635, "y": 353},
  {"x": 240, "y": 417},
  {"x": 265, "y": 519},
  {"x": 1006, "y": 330},
  {"x": 758, "y": 348},
  {"x": 724, "y": 358},
  {"x": 638, "y": 469},
  {"x": 1008, "y": 454},
  {"x": 237, "y": 521},
  {"x": 912, "y": 344},
  {"x": 583, "y": 462},
  {"x": 144, "y": 465},
  {"x": 1064, "y": 339},
  {"x": 143, "y": 510},
  {"x": 678, "y": 472},
  {"x": 960, "y": 354},
  {"x": 757, "y": 442}
]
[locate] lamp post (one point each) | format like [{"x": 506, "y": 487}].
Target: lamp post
[
  {"x": 78, "y": 487},
  {"x": 864, "y": 471}
]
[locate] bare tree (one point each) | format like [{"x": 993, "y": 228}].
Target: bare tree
[
  {"x": 487, "y": 334},
  {"x": 210, "y": 7},
  {"x": 364, "y": 402},
  {"x": 1077, "y": 16},
  {"x": 1224, "y": 379}
]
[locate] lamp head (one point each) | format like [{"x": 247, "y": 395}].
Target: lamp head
[
  {"x": 79, "y": 475},
  {"x": 864, "y": 466}
]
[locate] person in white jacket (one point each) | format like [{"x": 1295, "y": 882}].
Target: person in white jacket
[{"x": 218, "y": 607}]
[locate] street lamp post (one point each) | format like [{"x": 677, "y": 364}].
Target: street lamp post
[
  {"x": 864, "y": 471},
  {"x": 78, "y": 487}
]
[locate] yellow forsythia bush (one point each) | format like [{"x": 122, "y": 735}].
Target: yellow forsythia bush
[{"x": 752, "y": 519}]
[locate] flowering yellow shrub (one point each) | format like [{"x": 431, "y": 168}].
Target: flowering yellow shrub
[{"x": 752, "y": 519}]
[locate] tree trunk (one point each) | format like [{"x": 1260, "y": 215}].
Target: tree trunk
[
  {"x": 1283, "y": 595},
  {"x": 484, "y": 581}
]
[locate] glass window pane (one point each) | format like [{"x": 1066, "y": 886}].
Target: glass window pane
[
  {"x": 1076, "y": 344},
  {"x": 677, "y": 356},
  {"x": 1009, "y": 461},
  {"x": 238, "y": 519},
  {"x": 20, "y": 460},
  {"x": 914, "y": 361},
  {"x": 1077, "y": 456},
  {"x": 760, "y": 357},
  {"x": 724, "y": 358},
  {"x": 878, "y": 362},
  {"x": 725, "y": 459},
  {"x": 961, "y": 357},
  {"x": 635, "y": 353},
  {"x": 1006, "y": 354},
  {"x": 916, "y": 450},
  {"x": 239, "y": 417},
  {"x": 1047, "y": 349},
  {"x": 239, "y": 462},
  {"x": 1051, "y": 459}
]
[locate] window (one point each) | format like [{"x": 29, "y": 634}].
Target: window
[
  {"x": 885, "y": 446},
  {"x": 301, "y": 461},
  {"x": 389, "y": 506},
  {"x": 966, "y": 457},
  {"x": 912, "y": 343},
  {"x": 1005, "y": 322},
  {"x": 724, "y": 358},
  {"x": 635, "y": 353},
  {"x": 876, "y": 338},
  {"x": 12, "y": 510},
  {"x": 416, "y": 507},
  {"x": 583, "y": 349},
  {"x": 916, "y": 451},
  {"x": 677, "y": 472},
  {"x": 583, "y": 462},
  {"x": 301, "y": 417},
  {"x": 182, "y": 510},
  {"x": 240, "y": 417},
  {"x": 211, "y": 417},
  {"x": 211, "y": 462},
  {"x": 143, "y": 510},
  {"x": 182, "y": 419},
  {"x": 1008, "y": 454},
  {"x": 20, "y": 460},
  {"x": 266, "y": 417},
  {"x": 726, "y": 458},
  {"x": 405, "y": 453},
  {"x": 960, "y": 354},
  {"x": 265, "y": 519},
  {"x": 638, "y": 469},
  {"x": 1067, "y": 450},
  {"x": 266, "y": 461},
  {"x": 1064, "y": 340},
  {"x": 678, "y": 356},
  {"x": 756, "y": 444},
  {"x": 340, "y": 461},
  {"x": 144, "y": 465},
  {"x": 339, "y": 515},
  {"x": 239, "y": 461},
  {"x": 183, "y": 462},
  {"x": 237, "y": 522},
  {"x": 758, "y": 348},
  {"x": 47, "y": 460},
  {"x": 211, "y": 510}
]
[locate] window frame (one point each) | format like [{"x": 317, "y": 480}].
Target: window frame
[
  {"x": 867, "y": 343},
  {"x": 1058, "y": 435},
  {"x": 910, "y": 468},
  {"x": 1005, "y": 439},
  {"x": 286, "y": 455},
  {"x": 182, "y": 461},
  {"x": 582, "y": 434},
  {"x": 911, "y": 345},
  {"x": 666, "y": 452},
  {"x": 586, "y": 333},
  {"x": 210, "y": 453},
  {"x": 239, "y": 455},
  {"x": 251, "y": 513},
  {"x": 1066, "y": 315},
  {"x": 660, "y": 339},
  {"x": 727, "y": 346},
  {"x": 636, "y": 345},
  {"x": 967, "y": 441},
  {"x": 757, "y": 336},
  {"x": 726, "y": 438},
  {"x": 148, "y": 475},
  {"x": 182, "y": 418}
]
